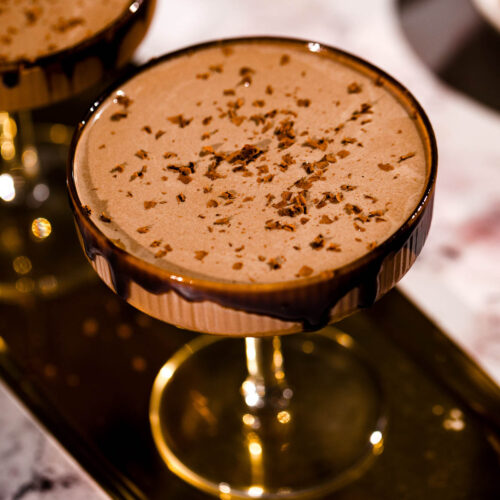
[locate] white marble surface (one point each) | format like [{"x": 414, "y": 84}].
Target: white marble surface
[
  {"x": 32, "y": 465},
  {"x": 457, "y": 278}
]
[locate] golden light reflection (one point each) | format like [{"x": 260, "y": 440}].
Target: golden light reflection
[
  {"x": 22, "y": 264},
  {"x": 139, "y": 364},
  {"x": 48, "y": 284},
  {"x": 255, "y": 449},
  {"x": 454, "y": 421},
  {"x": 201, "y": 405},
  {"x": 248, "y": 419},
  {"x": 41, "y": 228},
  {"x": 377, "y": 441},
  {"x": 224, "y": 488},
  {"x": 8, "y": 127},
  {"x": 41, "y": 192},
  {"x": 25, "y": 285},
  {"x": 90, "y": 327},
  {"x": 59, "y": 133},
  {"x": 437, "y": 410},
  {"x": 308, "y": 347},
  {"x": 3, "y": 345},
  {"x": 284, "y": 417},
  {"x": 255, "y": 491},
  {"x": 344, "y": 339},
  {"x": 251, "y": 353},
  {"x": 166, "y": 373},
  {"x": 50, "y": 370},
  {"x": 30, "y": 161},
  {"x": 10, "y": 239},
  {"x": 7, "y": 150},
  {"x": 7, "y": 188},
  {"x": 251, "y": 394}
]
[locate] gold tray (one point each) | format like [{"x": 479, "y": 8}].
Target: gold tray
[{"x": 84, "y": 363}]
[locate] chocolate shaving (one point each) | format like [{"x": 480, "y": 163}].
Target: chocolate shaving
[
  {"x": 333, "y": 247},
  {"x": 354, "y": 88},
  {"x": 119, "y": 168},
  {"x": 228, "y": 195},
  {"x": 247, "y": 154},
  {"x": 272, "y": 224},
  {"x": 352, "y": 209},
  {"x": 285, "y": 134},
  {"x": 321, "y": 144},
  {"x": 200, "y": 254},
  {"x": 64, "y": 25},
  {"x": 386, "y": 167},
  {"x": 285, "y": 59},
  {"x": 119, "y": 115},
  {"x": 143, "y": 155},
  {"x": 124, "y": 100},
  {"x": 224, "y": 221},
  {"x": 139, "y": 173},
  {"x": 179, "y": 120},
  {"x": 275, "y": 263},
  {"x": 143, "y": 229},
  {"x": 406, "y": 157},
  {"x": 325, "y": 220},
  {"x": 348, "y": 140},
  {"x": 286, "y": 161},
  {"x": 304, "y": 271},
  {"x": 318, "y": 242}
]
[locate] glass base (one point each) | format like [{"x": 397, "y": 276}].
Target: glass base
[{"x": 322, "y": 434}]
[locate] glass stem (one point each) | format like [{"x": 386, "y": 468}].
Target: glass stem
[
  {"x": 265, "y": 385},
  {"x": 18, "y": 156}
]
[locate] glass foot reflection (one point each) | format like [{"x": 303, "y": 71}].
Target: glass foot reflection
[{"x": 311, "y": 433}]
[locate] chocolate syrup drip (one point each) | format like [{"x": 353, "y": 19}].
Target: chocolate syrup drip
[
  {"x": 10, "y": 79},
  {"x": 311, "y": 308}
]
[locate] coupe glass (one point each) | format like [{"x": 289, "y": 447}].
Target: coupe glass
[
  {"x": 32, "y": 192},
  {"x": 299, "y": 415}
]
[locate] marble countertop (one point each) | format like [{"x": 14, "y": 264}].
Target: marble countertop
[{"x": 456, "y": 281}]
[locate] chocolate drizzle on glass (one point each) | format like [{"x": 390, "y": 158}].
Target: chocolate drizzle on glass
[{"x": 308, "y": 300}]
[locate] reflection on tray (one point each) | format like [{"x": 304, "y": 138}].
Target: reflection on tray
[{"x": 85, "y": 363}]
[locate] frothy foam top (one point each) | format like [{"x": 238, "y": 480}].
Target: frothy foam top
[
  {"x": 29, "y": 30},
  {"x": 251, "y": 162}
]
